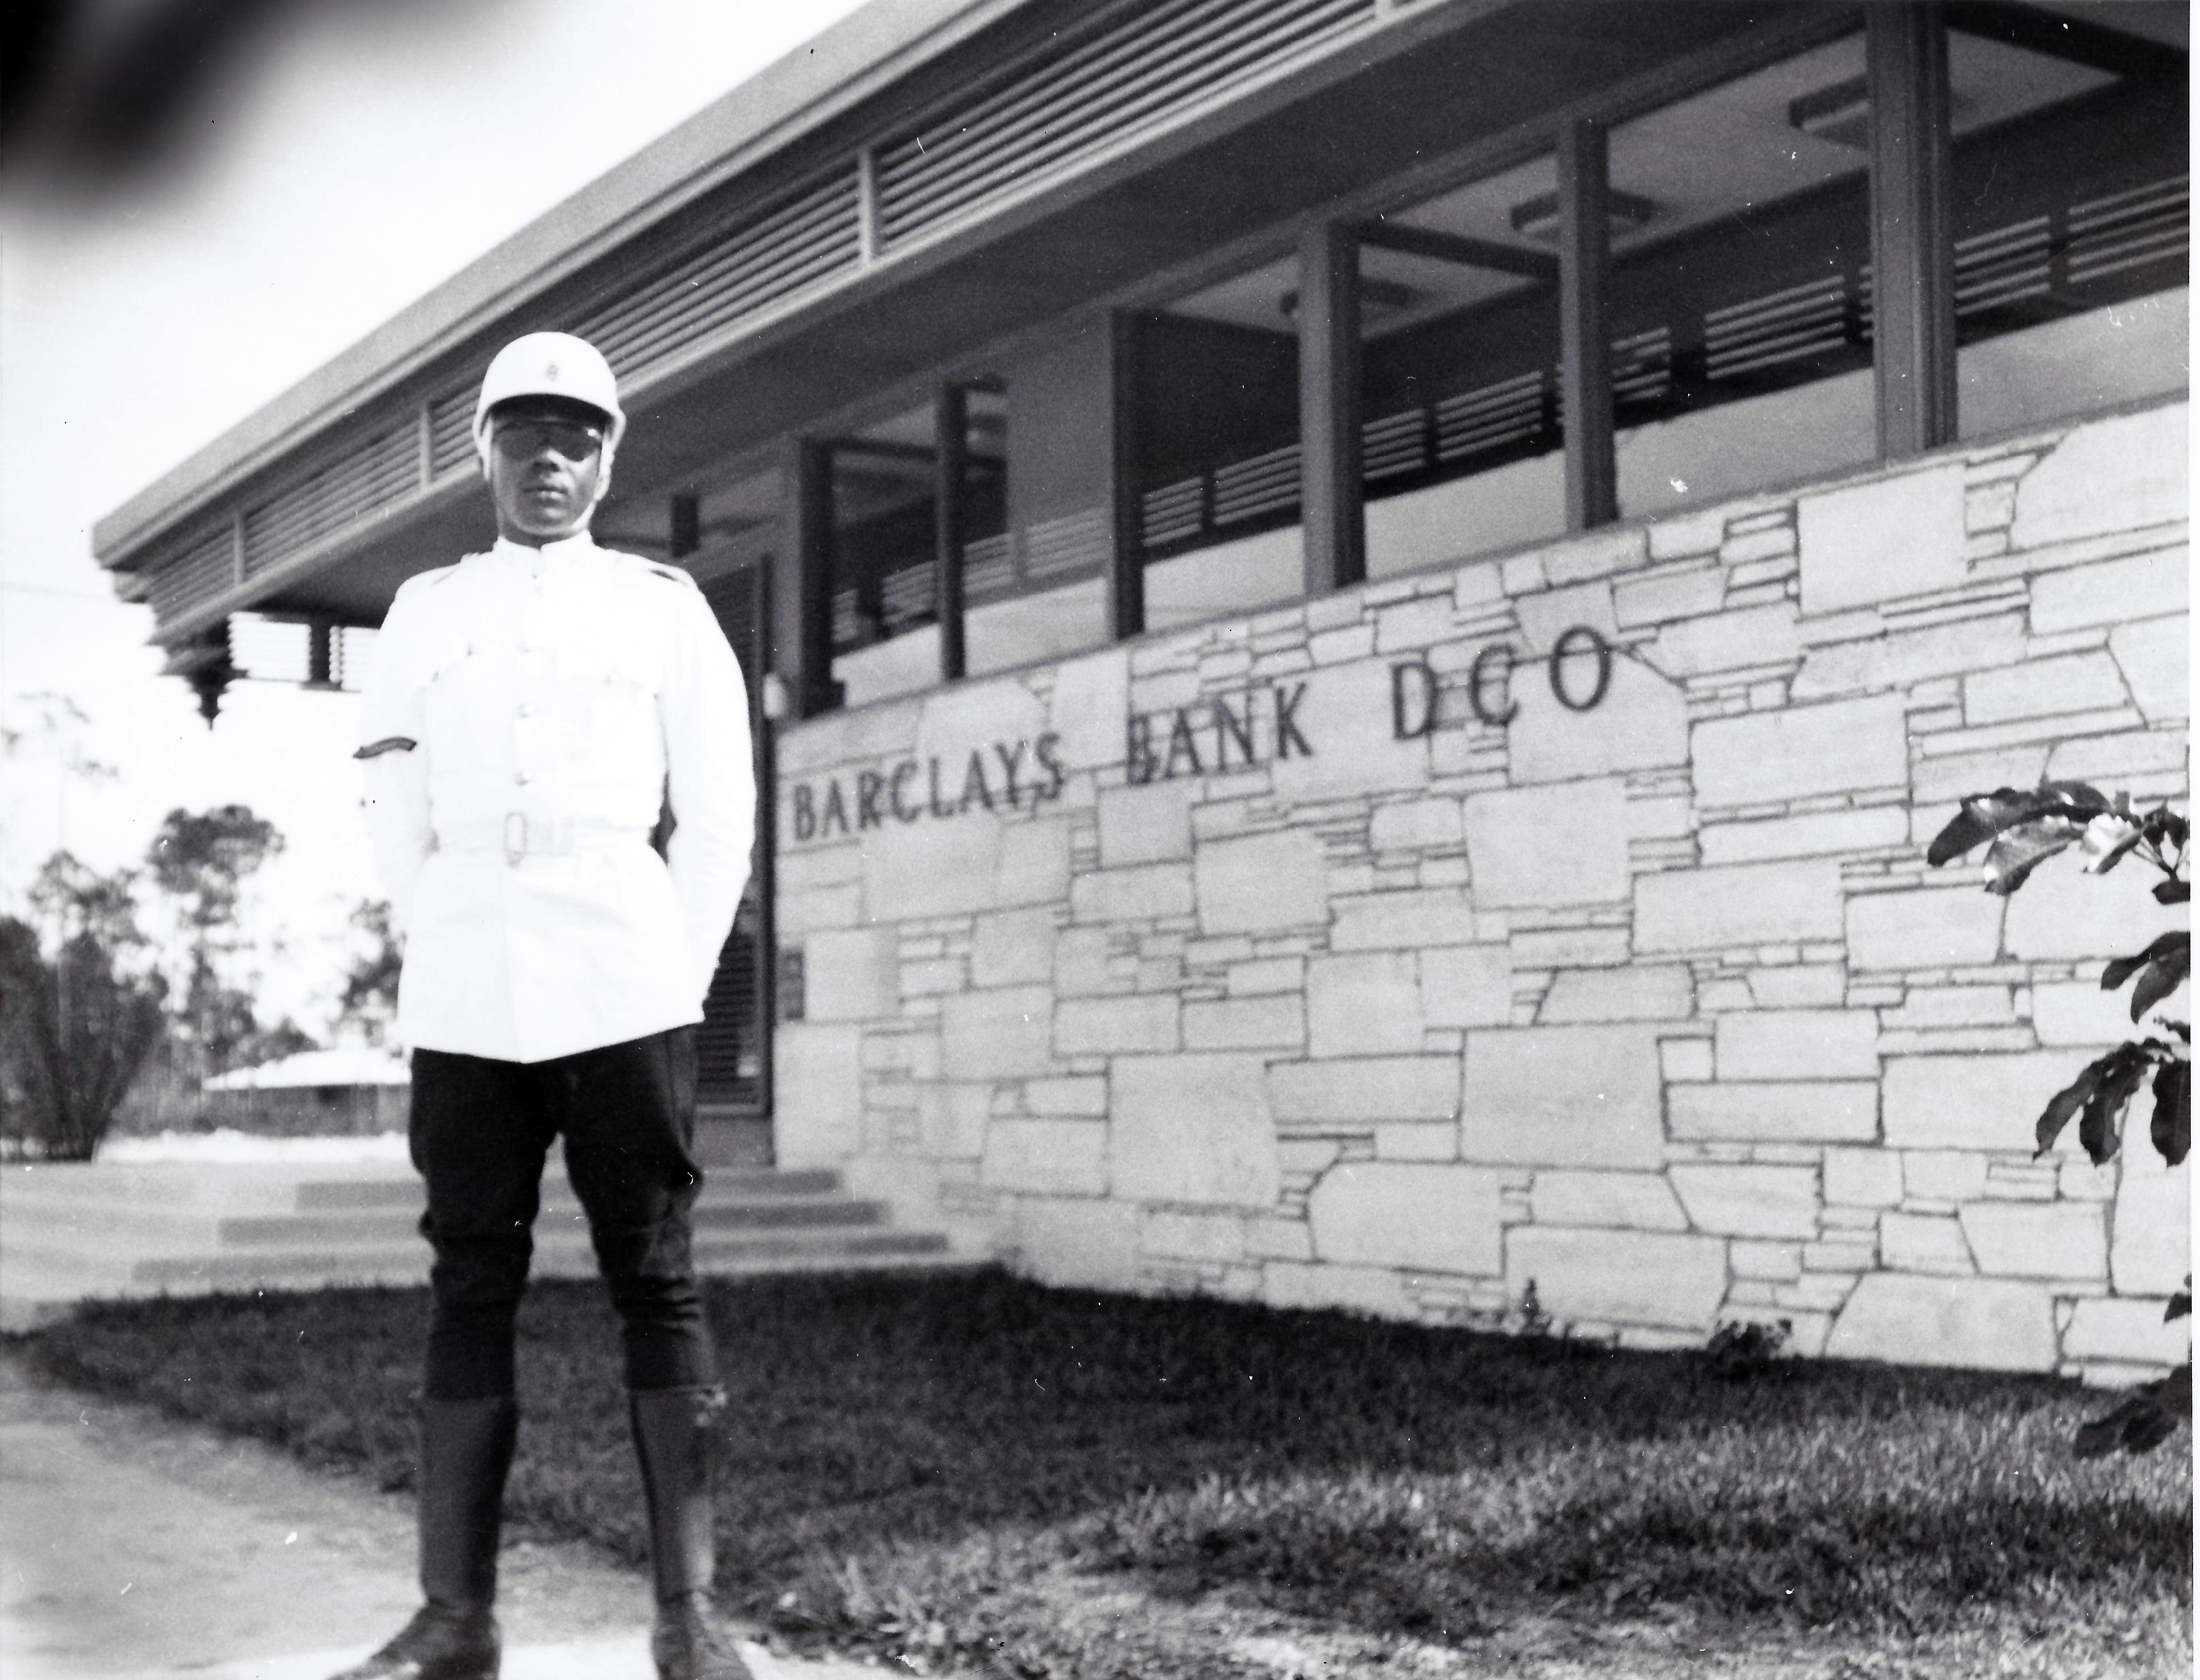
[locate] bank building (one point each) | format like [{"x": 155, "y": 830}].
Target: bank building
[{"x": 1366, "y": 609}]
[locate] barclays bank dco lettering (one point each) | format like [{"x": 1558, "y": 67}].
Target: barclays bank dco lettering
[
  {"x": 1221, "y": 732},
  {"x": 1424, "y": 699},
  {"x": 1016, "y": 772},
  {"x": 1260, "y": 723}
]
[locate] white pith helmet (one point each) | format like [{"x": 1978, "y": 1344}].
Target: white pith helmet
[{"x": 550, "y": 363}]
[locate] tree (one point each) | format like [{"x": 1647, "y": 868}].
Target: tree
[
  {"x": 54, "y": 729},
  {"x": 2021, "y": 831},
  {"x": 77, "y": 1026},
  {"x": 202, "y": 861},
  {"x": 369, "y": 999}
]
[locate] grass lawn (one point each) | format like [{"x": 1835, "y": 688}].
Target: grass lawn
[{"x": 973, "y": 1474}]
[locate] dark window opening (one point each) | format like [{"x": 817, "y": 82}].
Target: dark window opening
[
  {"x": 1218, "y": 424},
  {"x": 1740, "y": 280},
  {"x": 733, "y": 1045},
  {"x": 1739, "y": 308},
  {"x": 883, "y": 542},
  {"x": 2072, "y": 233},
  {"x": 1460, "y": 333}
]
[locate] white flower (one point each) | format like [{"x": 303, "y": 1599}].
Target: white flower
[{"x": 2106, "y": 838}]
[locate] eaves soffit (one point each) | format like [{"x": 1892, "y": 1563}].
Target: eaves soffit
[{"x": 856, "y": 60}]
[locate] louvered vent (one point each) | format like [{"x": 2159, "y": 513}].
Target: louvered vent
[
  {"x": 1642, "y": 367},
  {"x": 1265, "y": 484},
  {"x": 2127, "y": 229},
  {"x": 731, "y": 1042},
  {"x": 1799, "y": 324},
  {"x": 1076, "y": 545},
  {"x": 1172, "y": 512},
  {"x": 273, "y": 650},
  {"x": 382, "y": 471},
  {"x": 988, "y": 568},
  {"x": 770, "y": 256},
  {"x": 2043, "y": 256},
  {"x": 1394, "y": 444},
  {"x": 195, "y": 577},
  {"x": 262, "y": 647},
  {"x": 354, "y": 652},
  {"x": 451, "y": 433},
  {"x": 728, "y": 1040},
  {"x": 1107, "y": 89},
  {"x": 1509, "y": 413},
  {"x": 2004, "y": 265},
  {"x": 734, "y": 600},
  {"x": 905, "y": 603},
  {"x": 905, "y": 596}
]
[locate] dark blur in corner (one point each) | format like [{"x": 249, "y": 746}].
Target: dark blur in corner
[{"x": 103, "y": 96}]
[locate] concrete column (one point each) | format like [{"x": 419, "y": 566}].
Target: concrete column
[
  {"x": 1329, "y": 408},
  {"x": 1584, "y": 336},
  {"x": 1126, "y": 558},
  {"x": 1913, "y": 257},
  {"x": 804, "y": 611},
  {"x": 950, "y": 440},
  {"x": 685, "y": 524}
]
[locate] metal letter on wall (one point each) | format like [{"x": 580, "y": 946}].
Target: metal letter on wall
[{"x": 793, "y": 1000}]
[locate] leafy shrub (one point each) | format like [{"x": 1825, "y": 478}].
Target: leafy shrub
[
  {"x": 76, "y": 1023},
  {"x": 1741, "y": 1348},
  {"x": 2021, "y": 831}
]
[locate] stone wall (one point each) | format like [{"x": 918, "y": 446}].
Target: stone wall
[{"x": 1360, "y": 999}]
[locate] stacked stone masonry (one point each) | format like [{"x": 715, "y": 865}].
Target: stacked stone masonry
[{"x": 1654, "y": 1006}]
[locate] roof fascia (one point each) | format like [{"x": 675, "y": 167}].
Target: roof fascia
[{"x": 853, "y": 61}]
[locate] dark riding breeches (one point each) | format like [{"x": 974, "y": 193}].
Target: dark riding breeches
[{"x": 480, "y": 1132}]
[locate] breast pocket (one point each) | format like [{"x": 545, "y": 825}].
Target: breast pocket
[
  {"x": 458, "y": 707},
  {"x": 612, "y": 682}
]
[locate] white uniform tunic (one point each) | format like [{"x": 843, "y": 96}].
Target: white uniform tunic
[{"x": 554, "y": 698}]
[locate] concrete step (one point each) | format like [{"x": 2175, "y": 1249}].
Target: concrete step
[
  {"x": 349, "y": 1229},
  {"x": 404, "y": 1190},
  {"x": 93, "y": 1225},
  {"x": 345, "y": 1213},
  {"x": 566, "y": 1256},
  {"x": 230, "y": 1187},
  {"x": 68, "y": 1234},
  {"x": 68, "y": 1265},
  {"x": 280, "y": 1187}
]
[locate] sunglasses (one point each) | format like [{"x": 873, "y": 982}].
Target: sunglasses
[{"x": 569, "y": 440}]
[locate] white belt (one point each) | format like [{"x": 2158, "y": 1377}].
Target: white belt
[{"x": 518, "y": 834}]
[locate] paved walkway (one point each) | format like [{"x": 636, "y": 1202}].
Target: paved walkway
[{"x": 132, "y": 1547}]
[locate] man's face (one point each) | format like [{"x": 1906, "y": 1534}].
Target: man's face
[{"x": 545, "y": 459}]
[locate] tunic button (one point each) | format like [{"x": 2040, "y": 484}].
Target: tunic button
[
  {"x": 520, "y": 776},
  {"x": 527, "y": 708}
]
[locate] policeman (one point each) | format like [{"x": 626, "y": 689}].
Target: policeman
[{"x": 532, "y": 710}]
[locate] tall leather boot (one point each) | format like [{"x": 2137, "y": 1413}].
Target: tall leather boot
[
  {"x": 672, "y": 1442},
  {"x": 465, "y": 1450}
]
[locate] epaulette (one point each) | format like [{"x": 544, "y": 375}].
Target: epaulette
[
  {"x": 427, "y": 579},
  {"x": 670, "y": 574}
]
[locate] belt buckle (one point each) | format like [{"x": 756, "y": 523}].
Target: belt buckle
[{"x": 515, "y": 848}]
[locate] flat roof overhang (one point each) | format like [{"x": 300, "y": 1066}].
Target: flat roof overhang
[
  {"x": 804, "y": 94},
  {"x": 1465, "y": 75}
]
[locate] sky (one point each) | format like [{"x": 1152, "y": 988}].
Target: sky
[{"x": 364, "y": 155}]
